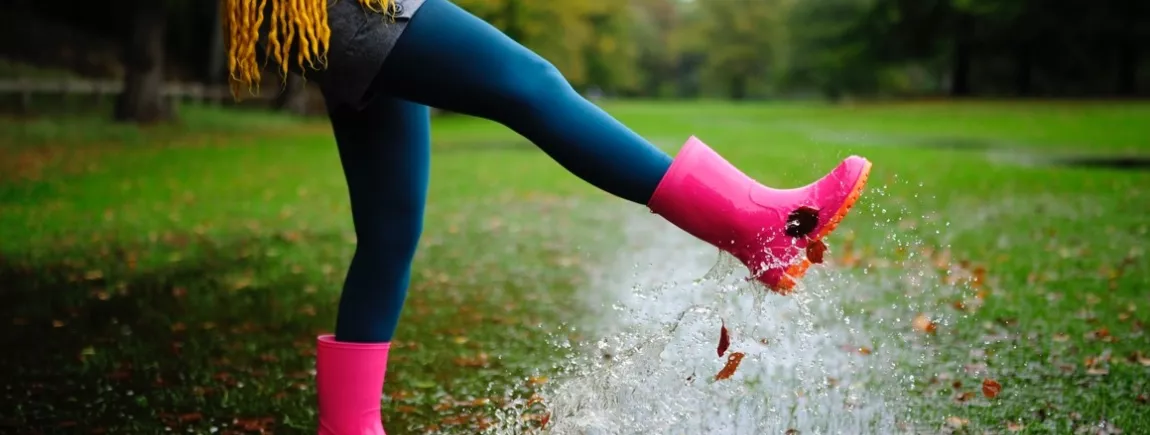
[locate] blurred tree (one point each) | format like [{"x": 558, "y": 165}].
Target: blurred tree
[
  {"x": 586, "y": 40},
  {"x": 744, "y": 42},
  {"x": 610, "y": 54},
  {"x": 654, "y": 24},
  {"x": 142, "y": 100},
  {"x": 827, "y": 53}
]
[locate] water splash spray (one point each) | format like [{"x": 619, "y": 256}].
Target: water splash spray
[{"x": 814, "y": 362}]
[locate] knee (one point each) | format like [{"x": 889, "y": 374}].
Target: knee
[
  {"x": 394, "y": 235},
  {"x": 532, "y": 84}
]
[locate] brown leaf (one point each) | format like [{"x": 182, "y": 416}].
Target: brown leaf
[
  {"x": 733, "y": 362},
  {"x": 815, "y": 251},
  {"x": 1099, "y": 334},
  {"x": 536, "y": 381},
  {"x": 963, "y": 397},
  {"x": 477, "y": 361},
  {"x": 724, "y": 340},
  {"x": 254, "y": 424},
  {"x": 1015, "y": 427},
  {"x": 1097, "y": 371},
  {"x": 956, "y": 422},
  {"x": 991, "y": 388},
  {"x": 922, "y": 323},
  {"x": 191, "y": 417}
]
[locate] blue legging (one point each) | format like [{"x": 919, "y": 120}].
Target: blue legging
[{"x": 448, "y": 58}]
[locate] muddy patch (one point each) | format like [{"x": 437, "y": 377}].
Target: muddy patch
[
  {"x": 1097, "y": 162},
  {"x": 1126, "y": 163}
]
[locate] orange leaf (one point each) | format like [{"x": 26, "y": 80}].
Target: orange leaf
[
  {"x": 922, "y": 323},
  {"x": 815, "y": 251},
  {"x": 991, "y": 388},
  {"x": 724, "y": 340},
  {"x": 192, "y": 417},
  {"x": 732, "y": 365}
]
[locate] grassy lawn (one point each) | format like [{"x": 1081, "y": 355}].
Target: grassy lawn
[{"x": 175, "y": 277}]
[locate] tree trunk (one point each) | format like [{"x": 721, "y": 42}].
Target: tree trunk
[
  {"x": 293, "y": 99},
  {"x": 513, "y": 28},
  {"x": 960, "y": 64},
  {"x": 1127, "y": 69},
  {"x": 737, "y": 87},
  {"x": 216, "y": 56},
  {"x": 142, "y": 100},
  {"x": 1022, "y": 71}
]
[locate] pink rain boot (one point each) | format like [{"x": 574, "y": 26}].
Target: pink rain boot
[
  {"x": 767, "y": 229},
  {"x": 349, "y": 379}
]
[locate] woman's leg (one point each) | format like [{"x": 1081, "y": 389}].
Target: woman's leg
[
  {"x": 385, "y": 150},
  {"x": 450, "y": 59}
]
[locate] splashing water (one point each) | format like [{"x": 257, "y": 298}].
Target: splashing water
[{"x": 811, "y": 365}]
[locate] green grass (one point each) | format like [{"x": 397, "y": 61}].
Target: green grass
[{"x": 176, "y": 276}]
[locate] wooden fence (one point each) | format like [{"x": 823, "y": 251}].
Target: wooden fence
[{"x": 29, "y": 89}]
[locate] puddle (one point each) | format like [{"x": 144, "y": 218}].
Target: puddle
[
  {"x": 813, "y": 364},
  {"x": 1050, "y": 159},
  {"x": 1128, "y": 163}
]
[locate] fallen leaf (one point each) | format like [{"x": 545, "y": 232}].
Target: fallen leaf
[
  {"x": 815, "y": 251},
  {"x": 1015, "y": 427},
  {"x": 733, "y": 362},
  {"x": 991, "y": 388},
  {"x": 1099, "y": 334},
  {"x": 922, "y": 323},
  {"x": 477, "y": 361},
  {"x": 956, "y": 422},
  {"x": 963, "y": 397},
  {"x": 191, "y": 417},
  {"x": 1097, "y": 371},
  {"x": 536, "y": 381},
  {"x": 254, "y": 424},
  {"x": 1060, "y": 337},
  {"x": 724, "y": 340}
]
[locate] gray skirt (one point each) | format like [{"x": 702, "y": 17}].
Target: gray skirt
[{"x": 360, "y": 41}]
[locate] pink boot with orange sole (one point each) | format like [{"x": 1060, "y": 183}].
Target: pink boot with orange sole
[{"x": 767, "y": 229}]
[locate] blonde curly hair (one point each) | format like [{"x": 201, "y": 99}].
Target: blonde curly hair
[{"x": 292, "y": 22}]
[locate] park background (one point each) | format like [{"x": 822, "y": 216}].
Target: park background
[{"x": 168, "y": 254}]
